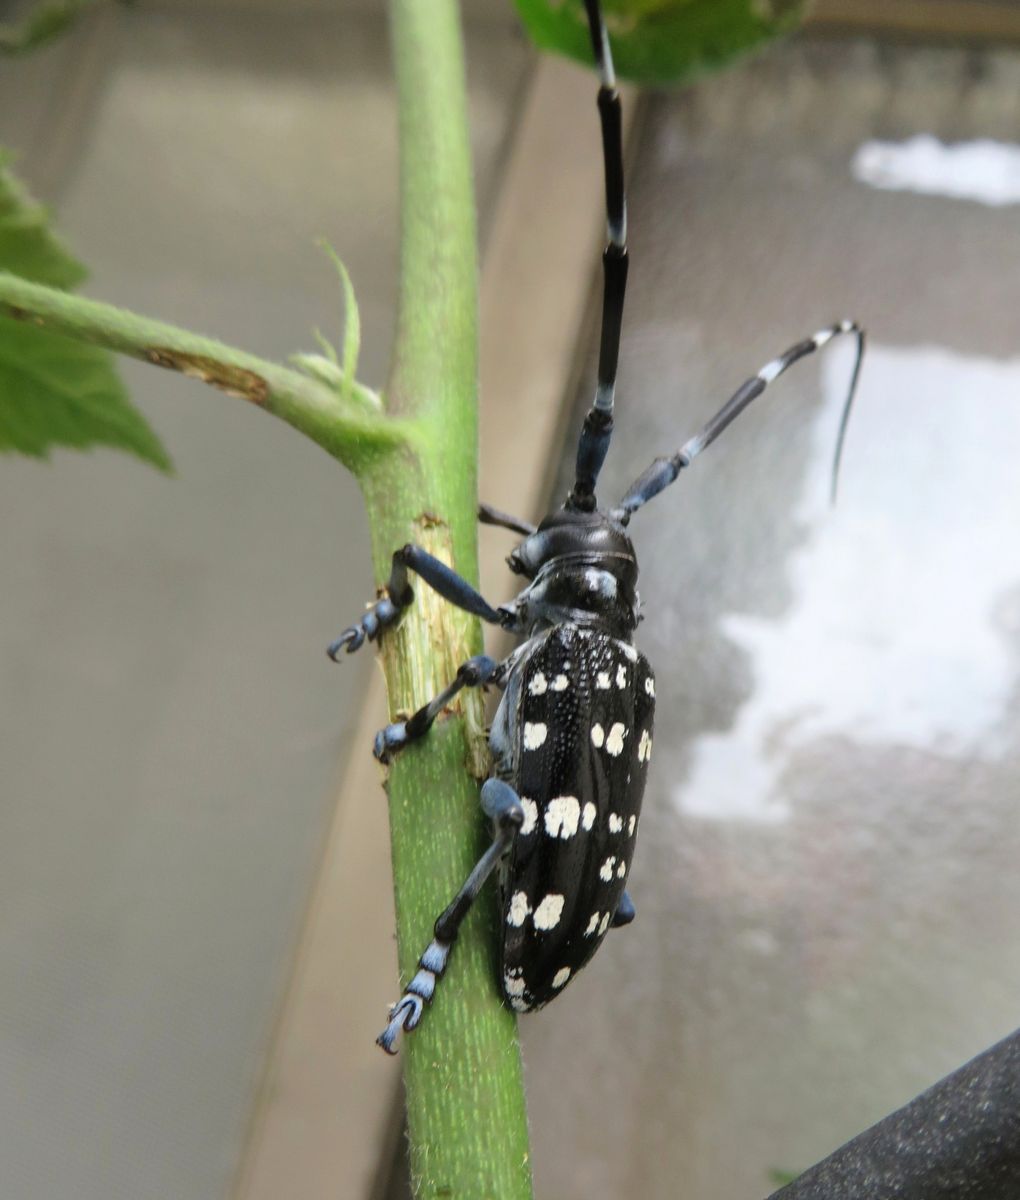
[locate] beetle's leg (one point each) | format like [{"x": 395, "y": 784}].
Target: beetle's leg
[
  {"x": 474, "y": 673},
  {"x": 399, "y": 594},
  {"x": 488, "y": 515},
  {"x": 502, "y": 804},
  {"x": 625, "y": 912},
  {"x": 663, "y": 471}
]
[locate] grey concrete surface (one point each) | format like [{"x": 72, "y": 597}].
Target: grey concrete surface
[
  {"x": 826, "y": 885},
  {"x": 170, "y": 726}
]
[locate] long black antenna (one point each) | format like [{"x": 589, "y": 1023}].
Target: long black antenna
[{"x": 597, "y": 430}]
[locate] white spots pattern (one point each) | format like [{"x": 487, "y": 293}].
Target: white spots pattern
[
  {"x": 644, "y": 750},
  {"x": 631, "y": 825},
  {"x": 615, "y": 822},
  {"x": 588, "y": 816},
  {"x": 518, "y": 1004},
  {"x": 519, "y": 909},
  {"x": 650, "y": 686},
  {"x": 621, "y": 678},
  {"x": 627, "y": 651},
  {"x": 602, "y": 680},
  {"x": 606, "y": 870},
  {"x": 547, "y": 915},
  {"x": 534, "y": 735},
  {"x": 561, "y": 817},
  {"x": 598, "y": 736},
  {"x": 614, "y": 740},
  {"x": 603, "y": 924},
  {"x": 593, "y": 924},
  {"x": 621, "y": 870},
  {"x": 538, "y": 685},
  {"x": 560, "y": 683},
  {"x": 530, "y": 816},
  {"x": 561, "y": 977},
  {"x": 513, "y": 984}
]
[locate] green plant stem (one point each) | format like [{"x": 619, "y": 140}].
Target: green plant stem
[
  {"x": 354, "y": 432},
  {"x": 465, "y": 1101}
]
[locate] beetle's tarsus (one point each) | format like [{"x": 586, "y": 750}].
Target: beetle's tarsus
[
  {"x": 389, "y": 740},
  {"x": 404, "y": 1017}
]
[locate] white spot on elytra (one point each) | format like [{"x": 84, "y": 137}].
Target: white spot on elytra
[
  {"x": 593, "y": 924},
  {"x": 615, "y": 822},
  {"x": 644, "y": 750},
  {"x": 621, "y": 677},
  {"x": 602, "y": 680},
  {"x": 518, "y": 1004},
  {"x": 538, "y": 685},
  {"x": 650, "y": 686},
  {"x": 560, "y": 683},
  {"x": 530, "y": 816},
  {"x": 606, "y": 870},
  {"x": 514, "y": 987},
  {"x": 561, "y": 977},
  {"x": 534, "y": 735},
  {"x": 547, "y": 915},
  {"x": 588, "y": 816},
  {"x": 631, "y": 825},
  {"x": 614, "y": 740},
  {"x": 561, "y": 817},
  {"x": 621, "y": 870},
  {"x": 603, "y": 924},
  {"x": 519, "y": 909},
  {"x": 627, "y": 651},
  {"x": 598, "y": 736}
]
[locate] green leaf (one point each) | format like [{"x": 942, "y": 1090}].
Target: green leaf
[
  {"x": 44, "y": 23},
  {"x": 54, "y": 391},
  {"x": 662, "y": 41},
  {"x": 352, "y": 326}
]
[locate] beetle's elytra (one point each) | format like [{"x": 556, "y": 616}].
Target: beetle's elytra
[{"x": 572, "y": 736}]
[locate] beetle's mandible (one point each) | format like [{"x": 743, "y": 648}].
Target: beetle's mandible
[{"x": 572, "y": 736}]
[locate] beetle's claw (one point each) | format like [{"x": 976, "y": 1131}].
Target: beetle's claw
[
  {"x": 351, "y": 638},
  {"x": 404, "y": 1016}
]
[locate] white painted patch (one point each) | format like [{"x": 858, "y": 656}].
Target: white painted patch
[
  {"x": 614, "y": 741},
  {"x": 513, "y": 986},
  {"x": 534, "y": 735},
  {"x": 650, "y": 686},
  {"x": 519, "y": 909},
  {"x": 588, "y": 816},
  {"x": 606, "y": 870},
  {"x": 547, "y": 915},
  {"x": 644, "y": 750},
  {"x": 602, "y": 680},
  {"x": 985, "y": 171},
  {"x": 627, "y": 651},
  {"x": 631, "y": 825},
  {"x": 603, "y": 924},
  {"x": 615, "y": 822},
  {"x": 561, "y": 977},
  {"x": 598, "y": 736},
  {"x": 621, "y": 870},
  {"x": 530, "y": 816},
  {"x": 593, "y": 924},
  {"x": 561, "y": 817},
  {"x": 560, "y": 683},
  {"x": 538, "y": 685},
  {"x": 621, "y": 677}
]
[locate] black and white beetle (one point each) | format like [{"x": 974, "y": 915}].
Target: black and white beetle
[{"x": 572, "y": 736}]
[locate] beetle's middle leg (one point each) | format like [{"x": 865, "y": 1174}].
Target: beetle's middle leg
[
  {"x": 502, "y": 804},
  {"x": 476, "y": 672}
]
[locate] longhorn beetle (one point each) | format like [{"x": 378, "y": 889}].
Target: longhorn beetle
[{"x": 572, "y": 736}]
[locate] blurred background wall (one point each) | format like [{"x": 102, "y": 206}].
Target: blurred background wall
[{"x": 825, "y": 884}]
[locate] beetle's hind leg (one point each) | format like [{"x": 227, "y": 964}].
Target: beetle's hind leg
[
  {"x": 476, "y": 672},
  {"x": 503, "y": 805},
  {"x": 399, "y": 594}
]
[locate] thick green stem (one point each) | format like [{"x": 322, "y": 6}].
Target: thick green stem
[
  {"x": 354, "y": 432},
  {"x": 462, "y": 1066}
]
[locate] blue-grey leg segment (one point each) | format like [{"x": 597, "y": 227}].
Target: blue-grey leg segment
[
  {"x": 663, "y": 471},
  {"x": 474, "y": 673},
  {"x": 399, "y": 594},
  {"x": 625, "y": 912},
  {"x": 502, "y": 804}
]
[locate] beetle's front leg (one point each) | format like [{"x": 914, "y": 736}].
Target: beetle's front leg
[
  {"x": 502, "y": 804},
  {"x": 399, "y": 594},
  {"x": 476, "y": 672}
]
